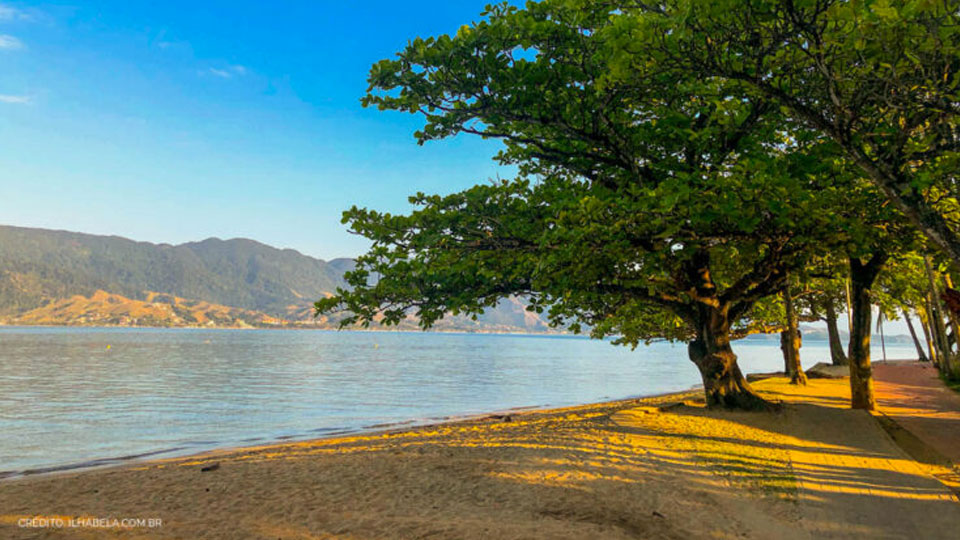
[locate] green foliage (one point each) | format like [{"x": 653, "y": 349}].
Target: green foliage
[
  {"x": 878, "y": 77},
  {"x": 903, "y": 285},
  {"x": 630, "y": 186}
]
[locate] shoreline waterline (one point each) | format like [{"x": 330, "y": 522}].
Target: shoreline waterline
[
  {"x": 115, "y": 395},
  {"x": 630, "y": 468},
  {"x": 148, "y": 458}
]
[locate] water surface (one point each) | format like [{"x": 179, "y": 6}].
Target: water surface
[{"x": 77, "y": 395}]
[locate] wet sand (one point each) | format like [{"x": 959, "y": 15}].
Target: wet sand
[{"x": 631, "y": 469}]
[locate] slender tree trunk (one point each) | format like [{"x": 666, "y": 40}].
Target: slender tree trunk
[
  {"x": 885, "y": 173},
  {"x": 790, "y": 343},
  {"x": 913, "y": 333},
  {"x": 927, "y": 333},
  {"x": 939, "y": 332},
  {"x": 837, "y": 356},
  {"x": 947, "y": 358},
  {"x": 862, "y": 276},
  {"x": 899, "y": 188}
]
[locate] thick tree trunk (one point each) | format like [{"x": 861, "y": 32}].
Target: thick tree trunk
[
  {"x": 921, "y": 356},
  {"x": 862, "y": 276},
  {"x": 723, "y": 383},
  {"x": 837, "y": 356}
]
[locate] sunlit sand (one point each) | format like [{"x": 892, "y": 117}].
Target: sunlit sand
[{"x": 654, "y": 468}]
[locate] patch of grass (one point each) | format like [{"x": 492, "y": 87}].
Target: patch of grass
[{"x": 953, "y": 384}]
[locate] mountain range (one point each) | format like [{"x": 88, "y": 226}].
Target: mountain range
[
  {"x": 66, "y": 278},
  {"x": 52, "y": 277}
]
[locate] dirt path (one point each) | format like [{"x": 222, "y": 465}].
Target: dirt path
[
  {"x": 853, "y": 480},
  {"x": 912, "y": 394}
]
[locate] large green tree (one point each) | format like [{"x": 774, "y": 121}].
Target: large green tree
[
  {"x": 881, "y": 78},
  {"x": 655, "y": 207}
]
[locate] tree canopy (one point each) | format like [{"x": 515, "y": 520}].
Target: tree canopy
[
  {"x": 659, "y": 205},
  {"x": 880, "y": 78}
]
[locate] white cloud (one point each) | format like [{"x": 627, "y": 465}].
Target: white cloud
[
  {"x": 10, "y": 43},
  {"x": 9, "y": 13},
  {"x": 8, "y": 98},
  {"x": 228, "y": 72}
]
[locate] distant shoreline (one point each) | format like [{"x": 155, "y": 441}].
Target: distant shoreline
[
  {"x": 297, "y": 328},
  {"x": 898, "y": 339}
]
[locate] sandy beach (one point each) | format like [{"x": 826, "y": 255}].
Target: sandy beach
[{"x": 655, "y": 468}]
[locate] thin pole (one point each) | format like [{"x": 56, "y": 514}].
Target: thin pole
[
  {"x": 883, "y": 345},
  {"x": 846, "y": 282}
]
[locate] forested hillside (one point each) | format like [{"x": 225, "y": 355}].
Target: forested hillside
[{"x": 53, "y": 277}]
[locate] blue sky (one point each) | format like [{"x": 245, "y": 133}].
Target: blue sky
[{"x": 176, "y": 121}]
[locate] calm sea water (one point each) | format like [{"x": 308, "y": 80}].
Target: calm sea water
[{"x": 71, "y": 396}]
